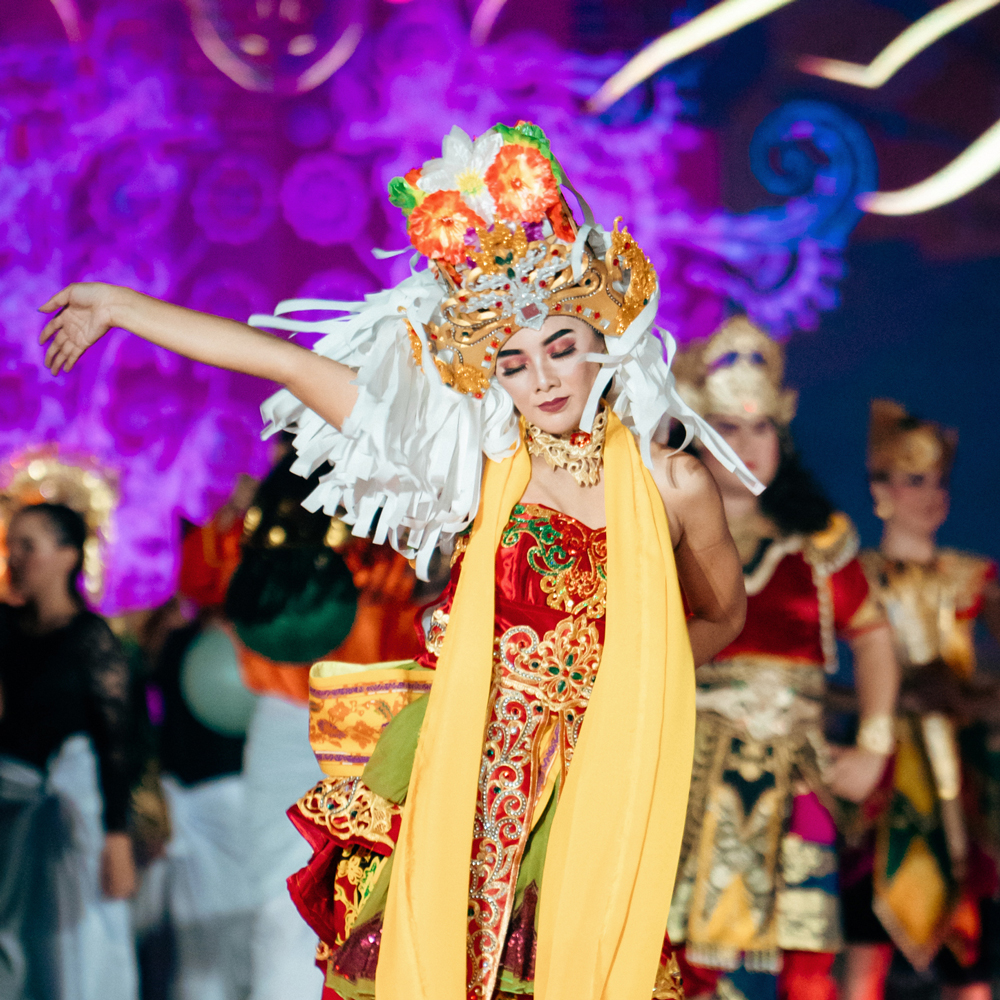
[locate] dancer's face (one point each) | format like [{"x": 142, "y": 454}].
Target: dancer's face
[
  {"x": 38, "y": 563},
  {"x": 755, "y": 440},
  {"x": 543, "y": 372},
  {"x": 917, "y": 502}
]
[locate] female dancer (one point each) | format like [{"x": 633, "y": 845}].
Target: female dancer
[
  {"x": 63, "y": 676},
  {"x": 756, "y": 899},
  {"x": 498, "y": 349},
  {"x": 917, "y": 879}
]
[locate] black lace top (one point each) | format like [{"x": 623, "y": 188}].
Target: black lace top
[{"x": 73, "y": 680}]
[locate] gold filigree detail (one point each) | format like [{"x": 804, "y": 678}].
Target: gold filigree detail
[
  {"x": 561, "y": 668},
  {"x": 579, "y": 453},
  {"x": 499, "y": 248},
  {"x": 348, "y": 808},
  {"x": 466, "y": 379},
  {"x": 626, "y": 255},
  {"x": 360, "y": 871},
  {"x": 669, "y": 983},
  {"x": 415, "y": 345},
  {"x": 569, "y": 557},
  {"x": 436, "y": 632},
  {"x": 461, "y": 544},
  {"x": 323, "y": 952}
]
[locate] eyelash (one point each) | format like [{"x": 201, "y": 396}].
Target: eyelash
[{"x": 560, "y": 354}]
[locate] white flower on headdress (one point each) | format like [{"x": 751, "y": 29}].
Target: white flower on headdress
[{"x": 462, "y": 167}]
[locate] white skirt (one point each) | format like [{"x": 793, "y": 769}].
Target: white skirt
[{"x": 58, "y": 932}]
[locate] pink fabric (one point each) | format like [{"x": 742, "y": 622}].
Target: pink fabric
[{"x": 811, "y": 820}]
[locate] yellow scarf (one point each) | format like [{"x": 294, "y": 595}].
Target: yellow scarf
[{"x": 613, "y": 850}]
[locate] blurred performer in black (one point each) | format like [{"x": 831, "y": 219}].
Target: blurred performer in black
[{"x": 68, "y": 760}]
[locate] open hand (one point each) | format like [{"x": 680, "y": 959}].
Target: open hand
[
  {"x": 83, "y": 314},
  {"x": 855, "y": 773}
]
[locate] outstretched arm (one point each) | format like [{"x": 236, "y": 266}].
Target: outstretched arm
[
  {"x": 708, "y": 564},
  {"x": 85, "y": 311}
]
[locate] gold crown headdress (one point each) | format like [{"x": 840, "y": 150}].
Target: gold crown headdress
[
  {"x": 501, "y": 241},
  {"x": 79, "y": 482},
  {"x": 738, "y": 371},
  {"x": 899, "y": 442}
]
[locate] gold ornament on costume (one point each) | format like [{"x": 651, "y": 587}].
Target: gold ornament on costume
[
  {"x": 78, "y": 482},
  {"x": 512, "y": 273},
  {"x": 580, "y": 454},
  {"x": 899, "y": 442},
  {"x": 738, "y": 371}
]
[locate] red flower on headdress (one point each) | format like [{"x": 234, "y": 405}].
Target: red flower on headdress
[
  {"x": 522, "y": 184},
  {"x": 438, "y": 225}
]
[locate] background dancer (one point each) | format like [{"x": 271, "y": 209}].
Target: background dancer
[
  {"x": 68, "y": 760},
  {"x": 756, "y": 901},
  {"x": 915, "y": 876}
]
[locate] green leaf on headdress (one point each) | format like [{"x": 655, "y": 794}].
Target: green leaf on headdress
[
  {"x": 404, "y": 195},
  {"x": 526, "y": 134}
]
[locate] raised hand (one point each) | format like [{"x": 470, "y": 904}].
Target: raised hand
[{"x": 83, "y": 314}]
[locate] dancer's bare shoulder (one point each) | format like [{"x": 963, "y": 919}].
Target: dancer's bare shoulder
[{"x": 689, "y": 494}]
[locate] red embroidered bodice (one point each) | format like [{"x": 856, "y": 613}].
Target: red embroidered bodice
[{"x": 549, "y": 613}]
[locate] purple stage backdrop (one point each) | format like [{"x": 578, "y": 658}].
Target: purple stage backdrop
[{"x": 169, "y": 149}]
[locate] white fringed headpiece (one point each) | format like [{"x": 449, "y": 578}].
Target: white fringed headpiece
[{"x": 408, "y": 462}]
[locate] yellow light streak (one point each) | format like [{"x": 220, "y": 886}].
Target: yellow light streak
[
  {"x": 972, "y": 167},
  {"x": 483, "y": 20},
  {"x": 711, "y": 25},
  {"x": 910, "y": 43}
]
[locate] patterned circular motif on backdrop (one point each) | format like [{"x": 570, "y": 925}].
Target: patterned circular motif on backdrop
[
  {"x": 135, "y": 192},
  {"x": 235, "y": 199},
  {"x": 325, "y": 199},
  {"x": 340, "y": 283},
  {"x": 20, "y": 390},
  {"x": 230, "y": 293}
]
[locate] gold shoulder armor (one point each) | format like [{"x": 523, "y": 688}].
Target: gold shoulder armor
[
  {"x": 967, "y": 572},
  {"x": 834, "y": 547}
]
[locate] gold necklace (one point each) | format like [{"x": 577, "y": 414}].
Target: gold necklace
[{"x": 579, "y": 453}]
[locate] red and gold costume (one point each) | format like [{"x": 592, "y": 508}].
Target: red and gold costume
[
  {"x": 551, "y": 592},
  {"x": 757, "y": 884},
  {"x": 919, "y": 866}
]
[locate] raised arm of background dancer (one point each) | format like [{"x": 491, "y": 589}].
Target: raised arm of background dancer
[
  {"x": 856, "y": 771},
  {"x": 708, "y": 565},
  {"x": 85, "y": 311}
]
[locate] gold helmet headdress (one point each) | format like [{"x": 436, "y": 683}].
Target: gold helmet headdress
[
  {"x": 899, "y": 442},
  {"x": 501, "y": 240},
  {"x": 503, "y": 252},
  {"x": 738, "y": 371}
]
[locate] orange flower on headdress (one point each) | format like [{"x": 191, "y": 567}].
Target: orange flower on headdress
[
  {"x": 438, "y": 225},
  {"x": 522, "y": 184}
]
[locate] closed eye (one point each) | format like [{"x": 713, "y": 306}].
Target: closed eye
[{"x": 513, "y": 371}]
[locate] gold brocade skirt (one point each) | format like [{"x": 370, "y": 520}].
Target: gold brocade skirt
[{"x": 758, "y": 869}]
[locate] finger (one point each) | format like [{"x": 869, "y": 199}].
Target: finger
[
  {"x": 57, "y": 301},
  {"x": 59, "y": 357},
  {"x": 69, "y": 355},
  {"x": 53, "y": 350},
  {"x": 50, "y": 328}
]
